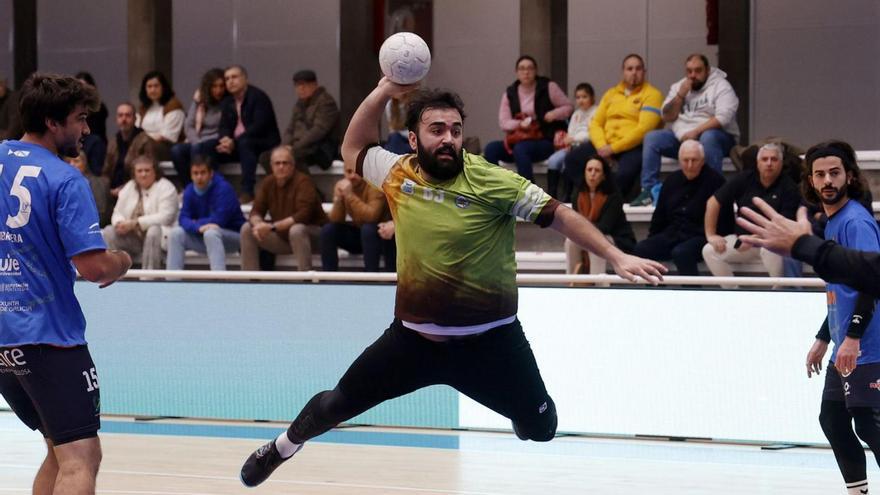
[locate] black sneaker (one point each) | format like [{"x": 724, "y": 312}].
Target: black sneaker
[{"x": 261, "y": 463}]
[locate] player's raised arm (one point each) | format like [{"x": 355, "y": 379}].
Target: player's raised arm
[{"x": 363, "y": 128}]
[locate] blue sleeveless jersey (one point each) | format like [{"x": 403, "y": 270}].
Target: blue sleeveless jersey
[
  {"x": 47, "y": 216},
  {"x": 853, "y": 227}
]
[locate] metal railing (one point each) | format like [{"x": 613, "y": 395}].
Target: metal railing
[{"x": 521, "y": 279}]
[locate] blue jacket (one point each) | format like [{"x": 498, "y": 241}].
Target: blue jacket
[{"x": 218, "y": 205}]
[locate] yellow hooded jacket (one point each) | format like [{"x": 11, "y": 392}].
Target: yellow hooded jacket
[{"x": 622, "y": 121}]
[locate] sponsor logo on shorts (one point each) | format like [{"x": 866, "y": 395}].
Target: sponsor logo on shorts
[
  {"x": 542, "y": 408},
  {"x": 462, "y": 202},
  {"x": 408, "y": 186},
  {"x": 845, "y": 388},
  {"x": 874, "y": 385},
  {"x": 12, "y": 357}
]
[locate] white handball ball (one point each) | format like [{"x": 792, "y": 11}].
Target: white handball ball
[{"x": 405, "y": 58}]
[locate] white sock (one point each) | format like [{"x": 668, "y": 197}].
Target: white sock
[
  {"x": 287, "y": 448},
  {"x": 857, "y": 488}
]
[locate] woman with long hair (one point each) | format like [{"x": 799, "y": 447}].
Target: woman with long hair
[
  {"x": 601, "y": 203},
  {"x": 160, "y": 114},
  {"x": 202, "y": 124}
]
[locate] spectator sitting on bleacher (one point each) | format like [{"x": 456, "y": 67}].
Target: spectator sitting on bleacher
[
  {"x": 766, "y": 182},
  {"x": 366, "y": 206},
  {"x": 578, "y": 134},
  {"x": 100, "y": 191},
  {"x": 398, "y": 134},
  {"x": 701, "y": 106},
  {"x": 533, "y": 105},
  {"x": 202, "y": 123},
  {"x": 247, "y": 128},
  {"x": 291, "y": 200},
  {"x": 146, "y": 204},
  {"x": 601, "y": 203},
  {"x": 676, "y": 230},
  {"x": 210, "y": 218},
  {"x": 625, "y": 114},
  {"x": 313, "y": 131},
  {"x": 161, "y": 114},
  {"x": 10, "y": 119},
  {"x": 95, "y": 143},
  {"x": 129, "y": 143}
]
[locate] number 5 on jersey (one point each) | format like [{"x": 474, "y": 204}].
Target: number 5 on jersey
[{"x": 24, "y": 196}]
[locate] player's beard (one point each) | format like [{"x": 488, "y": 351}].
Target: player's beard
[
  {"x": 697, "y": 85},
  {"x": 70, "y": 149},
  {"x": 839, "y": 193},
  {"x": 442, "y": 169}
]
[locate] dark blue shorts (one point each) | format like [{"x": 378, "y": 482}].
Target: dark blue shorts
[
  {"x": 52, "y": 389},
  {"x": 860, "y": 389}
]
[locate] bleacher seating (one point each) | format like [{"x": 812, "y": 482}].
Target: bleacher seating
[{"x": 538, "y": 250}]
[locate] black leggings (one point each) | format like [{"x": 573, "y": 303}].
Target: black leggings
[
  {"x": 837, "y": 423},
  {"x": 496, "y": 369}
]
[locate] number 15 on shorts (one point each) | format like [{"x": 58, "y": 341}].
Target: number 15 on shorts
[{"x": 91, "y": 377}]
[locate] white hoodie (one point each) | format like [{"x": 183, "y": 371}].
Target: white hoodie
[{"x": 715, "y": 99}]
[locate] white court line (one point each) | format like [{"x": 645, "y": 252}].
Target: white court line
[{"x": 237, "y": 480}]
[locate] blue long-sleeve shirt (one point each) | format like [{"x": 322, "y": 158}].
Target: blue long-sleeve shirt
[{"x": 218, "y": 205}]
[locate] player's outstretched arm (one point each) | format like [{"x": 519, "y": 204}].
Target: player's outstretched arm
[
  {"x": 102, "y": 266},
  {"x": 363, "y": 128},
  {"x": 583, "y": 233}
]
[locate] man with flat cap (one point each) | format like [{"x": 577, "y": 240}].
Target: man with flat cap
[{"x": 313, "y": 132}]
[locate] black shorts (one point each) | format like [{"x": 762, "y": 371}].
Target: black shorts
[
  {"x": 52, "y": 389},
  {"x": 496, "y": 368},
  {"x": 860, "y": 389}
]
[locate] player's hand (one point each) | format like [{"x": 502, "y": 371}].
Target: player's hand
[
  {"x": 685, "y": 88},
  {"x": 386, "y": 230},
  {"x": 815, "y": 356},
  {"x": 393, "y": 90},
  {"x": 718, "y": 243},
  {"x": 771, "y": 230},
  {"x": 125, "y": 261},
  {"x": 207, "y": 227},
  {"x": 847, "y": 354},
  {"x": 633, "y": 268}
]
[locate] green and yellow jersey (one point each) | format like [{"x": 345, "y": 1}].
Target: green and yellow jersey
[{"x": 455, "y": 240}]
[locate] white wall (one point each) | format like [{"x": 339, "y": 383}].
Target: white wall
[
  {"x": 88, "y": 35},
  {"x": 476, "y": 45},
  {"x": 663, "y": 32},
  {"x": 271, "y": 38},
  {"x": 710, "y": 364},
  {"x": 816, "y": 71}
]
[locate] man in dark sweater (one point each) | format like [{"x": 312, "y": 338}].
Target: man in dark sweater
[
  {"x": 676, "y": 230},
  {"x": 247, "y": 127}
]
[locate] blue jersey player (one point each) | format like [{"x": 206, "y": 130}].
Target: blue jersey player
[
  {"x": 852, "y": 380},
  {"x": 48, "y": 219}
]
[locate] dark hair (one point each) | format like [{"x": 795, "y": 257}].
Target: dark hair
[
  {"x": 239, "y": 67},
  {"x": 699, "y": 56},
  {"x": 833, "y": 147},
  {"x": 87, "y": 77},
  {"x": 207, "y": 81},
  {"x": 585, "y": 87},
  {"x": 607, "y": 185},
  {"x": 633, "y": 55},
  {"x": 431, "y": 99},
  {"x": 53, "y": 96},
  {"x": 200, "y": 159},
  {"x": 167, "y": 92},
  {"x": 526, "y": 57}
]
